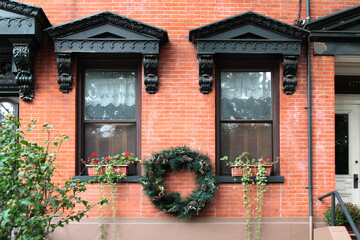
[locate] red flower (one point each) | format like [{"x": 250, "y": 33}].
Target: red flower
[
  {"x": 95, "y": 161},
  {"x": 89, "y": 159},
  {"x": 94, "y": 154},
  {"x": 262, "y": 161},
  {"x": 107, "y": 159},
  {"x": 127, "y": 154},
  {"x": 269, "y": 159}
]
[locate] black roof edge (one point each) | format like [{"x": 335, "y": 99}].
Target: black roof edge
[
  {"x": 253, "y": 17},
  {"x": 106, "y": 17},
  {"x": 334, "y": 17},
  {"x": 26, "y": 10}
]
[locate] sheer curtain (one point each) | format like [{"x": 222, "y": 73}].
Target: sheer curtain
[
  {"x": 245, "y": 95},
  {"x": 109, "y": 95}
]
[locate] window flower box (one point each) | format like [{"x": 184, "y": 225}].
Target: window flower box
[{"x": 238, "y": 171}]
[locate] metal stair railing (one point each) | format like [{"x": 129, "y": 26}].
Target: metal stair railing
[{"x": 334, "y": 194}]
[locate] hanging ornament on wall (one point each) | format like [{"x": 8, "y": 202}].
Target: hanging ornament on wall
[{"x": 175, "y": 159}]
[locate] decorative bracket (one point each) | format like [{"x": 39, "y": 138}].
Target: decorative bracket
[
  {"x": 23, "y": 58},
  {"x": 65, "y": 73},
  {"x": 206, "y": 63},
  {"x": 290, "y": 65},
  {"x": 151, "y": 78}
]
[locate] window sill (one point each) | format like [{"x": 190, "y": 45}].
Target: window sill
[
  {"x": 128, "y": 179},
  {"x": 219, "y": 179},
  {"x": 230, "y": 179}
]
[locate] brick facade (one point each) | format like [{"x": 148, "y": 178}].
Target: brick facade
[{"x": 178, "y": 114}]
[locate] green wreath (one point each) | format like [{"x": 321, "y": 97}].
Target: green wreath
[{"x": 175, "y": 159}]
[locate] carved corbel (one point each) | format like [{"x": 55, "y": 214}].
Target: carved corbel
[
  {"x": 23, "y": 59},
  {"x": 290, "y": 65},
  {"x": 151, "y": 78},
  {"x": 206, "y": 63},
  {"x": 65, "y": 73}
]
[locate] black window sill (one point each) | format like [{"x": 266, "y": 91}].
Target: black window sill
[
  {"x": 128, "y": 179},
  {"x": 230, "y": 179},
  {"x": 219, "y": 179}
]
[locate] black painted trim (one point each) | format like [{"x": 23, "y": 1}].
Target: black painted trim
[
  {"x": 247, "y": 18},
  {"x": 219, "y": 179},
  {"x": 128, "y": 179},
  {"x": 334, "y": 18},
  {"x": 230, "y": 179},
  {"x": 107, "y": 17}
]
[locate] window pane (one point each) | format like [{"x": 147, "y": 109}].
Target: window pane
[
  {"x": 245, "y": 95},
  {"x": 109, "y": 95},
  {"x": 109, "y": 139},
  {"x": 6, "y": 108},
  {"x": 341, "y": 144},
  {"x": 254, "y": 138}
]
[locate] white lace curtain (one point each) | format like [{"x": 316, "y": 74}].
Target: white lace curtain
[
  {"x": 245, "y": 85},
  {"x": 109, "y": 87}
]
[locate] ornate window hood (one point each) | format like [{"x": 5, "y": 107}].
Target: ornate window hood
[
  {"x": 107, "y": 33},
  {"x": 337, "y": 34},
  {"x": 248, "y": 33},
  {"x": 20, "y": 34}
]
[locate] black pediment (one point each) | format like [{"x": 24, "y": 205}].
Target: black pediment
[
  {"x": 248, "y": 33},
  {"x": 21, "y": 33},
  {"x": 337, "y": 33},
  {"x": 107, "y": 22},
  {"x": 19, "y": 19},
  {"x": 107, "y": 33},
  {"x": 346, "y": 20}
]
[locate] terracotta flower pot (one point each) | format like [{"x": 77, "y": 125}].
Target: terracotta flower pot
[
  {"x": 95, "y": 170},
  {"x": 120, "y": 169},
  {"x": 236, "y": 171}
]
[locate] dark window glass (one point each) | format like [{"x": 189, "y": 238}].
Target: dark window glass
[
  {"x": 246, "y": 114},
  {"x": 109, "y": 139},
  {"x": 341, "y": 143},
  {"x": 109, "y": 119}
]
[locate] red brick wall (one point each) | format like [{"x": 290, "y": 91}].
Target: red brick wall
[{"x": 180, "y": 115}]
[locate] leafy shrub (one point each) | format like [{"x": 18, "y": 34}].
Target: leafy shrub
[
  {"x": 29, "y": 199},
  {"x": 340, "y": 219}
]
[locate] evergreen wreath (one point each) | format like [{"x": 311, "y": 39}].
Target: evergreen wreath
[{"x": 175, "y": 159}]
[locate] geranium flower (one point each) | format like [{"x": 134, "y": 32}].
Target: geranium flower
[
  {"x": 107, "y": 159},
  {"x": 95, "y": 161},
  {"x": 94, "y": 154},
  {"x": 127, "y": 154},
  {"x": 89, "y": 159},
  {"x": 262, "y": 161}
]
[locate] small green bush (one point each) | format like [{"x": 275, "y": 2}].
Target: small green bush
[
  {"x": 340, "y": 219},
  {"x": 29, "y": 199}
]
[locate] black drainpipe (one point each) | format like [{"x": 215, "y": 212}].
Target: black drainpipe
[{"x": 310, "y": 187}]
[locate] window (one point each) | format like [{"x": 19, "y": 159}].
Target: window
[
  {"x": 110, "y": 116},
  {"x": 247, "y": 110},
  {"x": 9, "y": 105}
]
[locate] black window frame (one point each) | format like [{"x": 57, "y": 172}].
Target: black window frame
[
  {"x": 108, "y": 64},
  {"x": 250, "y": 63}
]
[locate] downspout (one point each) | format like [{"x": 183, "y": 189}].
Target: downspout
[{"x": 310, "y": 186}]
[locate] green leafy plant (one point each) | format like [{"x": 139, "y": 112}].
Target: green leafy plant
[
  {"x": 109, "y": 177},
  {"x": 249, "y": 179},
  {"x": 109, "y": 168},
  {"x": 124, "y": 158},
  {"x": 340, "y": 219},
  {"x": 29, "y": 198}
]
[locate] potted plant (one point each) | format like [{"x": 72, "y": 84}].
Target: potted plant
[
  {"x": 116, "y": 164},
  {"x": 253, "y": 172},
  {"x": 243, "y": 162},
  {"x": 340, "y": 218}
]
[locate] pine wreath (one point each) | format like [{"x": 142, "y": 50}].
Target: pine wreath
[{"x": 175, "y": 159}]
